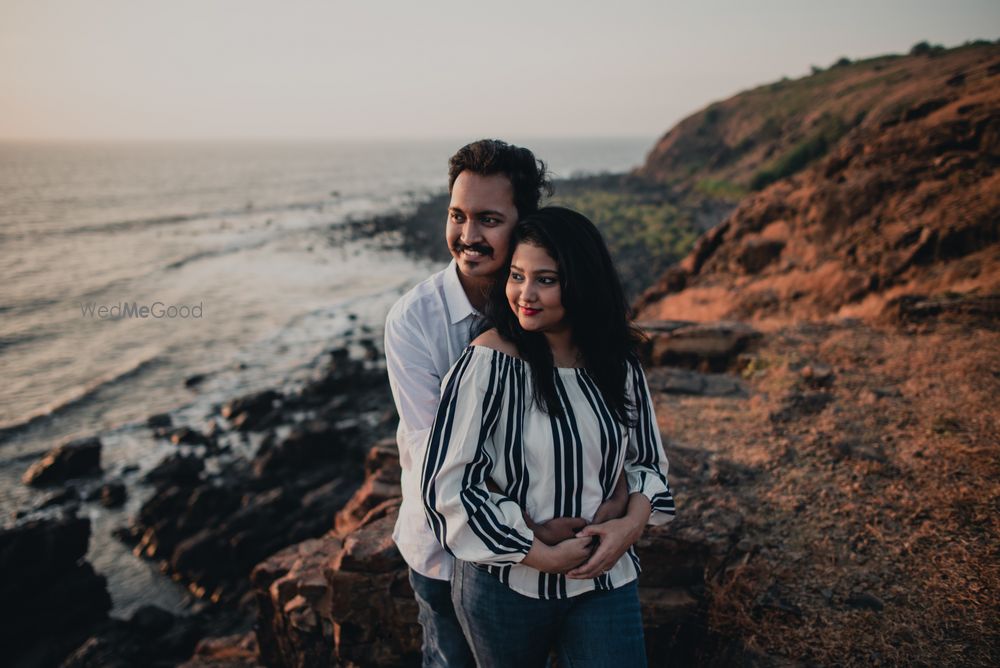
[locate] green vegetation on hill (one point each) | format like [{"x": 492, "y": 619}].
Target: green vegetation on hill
[
  {"x": 645, "y": 233},
  {"x": 827, "y": 132}
]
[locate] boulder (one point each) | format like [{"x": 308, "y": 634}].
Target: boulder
[
  {"x": 76, "y": 458},
  {"x": 54, "y": 596},
  {"x": 709, "y": 346}
]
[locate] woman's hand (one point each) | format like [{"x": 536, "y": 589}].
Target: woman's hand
[
  {"x": 615, "y": 536},
  {"x": 558, "y": 558}
]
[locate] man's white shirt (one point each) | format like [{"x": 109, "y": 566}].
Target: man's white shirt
[{"x": 425, "y": 333}]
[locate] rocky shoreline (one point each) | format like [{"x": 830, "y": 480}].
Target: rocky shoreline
[{"x": 290, "y": 549}]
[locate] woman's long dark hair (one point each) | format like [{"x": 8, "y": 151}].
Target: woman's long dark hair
[{"x": 595, "y": 306}]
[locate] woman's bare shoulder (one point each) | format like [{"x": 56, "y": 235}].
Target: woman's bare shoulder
[{"x": 491, "y": 339}]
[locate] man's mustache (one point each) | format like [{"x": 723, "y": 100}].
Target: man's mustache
[{"x": 477, "y": 248}]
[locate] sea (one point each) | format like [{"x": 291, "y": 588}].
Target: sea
[{"x": 128, "y": 268}]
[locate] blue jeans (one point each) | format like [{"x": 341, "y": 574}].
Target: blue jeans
[
  {"x": 599, "y": 629},
  {"x": 444, "y": 644}
]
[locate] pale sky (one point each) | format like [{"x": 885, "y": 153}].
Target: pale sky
[{"x": 328, "y": 69}]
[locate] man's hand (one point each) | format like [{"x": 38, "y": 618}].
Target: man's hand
[
  {"x": 615, "y": 536},
  {"x": 557, "y": 529},
  {"x": 559, "y": 558},
  {"x": 552, "y": 532},
  {"x": 616, "y": 505}
]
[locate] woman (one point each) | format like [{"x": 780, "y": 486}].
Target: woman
[{"x": 550, "y": 407}]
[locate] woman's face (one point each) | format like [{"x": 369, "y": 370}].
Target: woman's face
[{"x": 533, "y": 290}]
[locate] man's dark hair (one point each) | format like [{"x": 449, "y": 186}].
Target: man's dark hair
[
  {"x": 595, "y": 306},
  {"x": 491, "y": 156}
]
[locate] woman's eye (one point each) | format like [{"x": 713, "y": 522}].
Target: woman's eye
[
  {"x": 547, "y": 281},
  {"x": 514, "y": 276}
]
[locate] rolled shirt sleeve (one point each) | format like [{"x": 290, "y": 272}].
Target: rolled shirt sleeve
[
  {"x": 645, "y": 461},
  {"x": 471, "y": 522}
]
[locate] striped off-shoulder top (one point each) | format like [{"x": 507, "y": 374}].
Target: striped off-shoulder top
[{"x": 488, "y": 427}]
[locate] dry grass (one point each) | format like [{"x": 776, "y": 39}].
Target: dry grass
[{"x": 892, "y": 490}]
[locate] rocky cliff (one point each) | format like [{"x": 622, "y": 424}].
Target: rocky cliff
[
  {"x": 905, "y": 201},
  {"x": 868, "y": 258}
]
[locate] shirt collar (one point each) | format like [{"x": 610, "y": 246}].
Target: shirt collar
[{"x": 459, "y": 307}]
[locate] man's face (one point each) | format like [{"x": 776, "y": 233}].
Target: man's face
[{"x": 481, "y": 218}]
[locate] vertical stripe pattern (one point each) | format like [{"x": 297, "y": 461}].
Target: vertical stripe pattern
[{"x": 488, "y": 429}]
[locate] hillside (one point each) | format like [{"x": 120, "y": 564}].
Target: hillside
[
  {"x": 905, "y": 201},
  {"x": 711, "y": 161},
  {"x": 861, "y": 436}
]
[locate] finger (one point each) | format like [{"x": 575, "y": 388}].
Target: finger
[
  {"x": 595, "y": 566},
  {"x": 601, "y": 560},
  {"x": 576, "y": 563},
  {"x": 591, "y": 530}
]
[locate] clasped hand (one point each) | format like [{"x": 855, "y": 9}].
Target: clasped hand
[{"x": 583, "y": 550}]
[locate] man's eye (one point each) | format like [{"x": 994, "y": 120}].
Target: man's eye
[
  {"x": 487, "y": 220},
  {"x": 457, "y": 217}
]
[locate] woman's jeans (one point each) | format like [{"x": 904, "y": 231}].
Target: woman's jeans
[{"x": 504, "y": 628}]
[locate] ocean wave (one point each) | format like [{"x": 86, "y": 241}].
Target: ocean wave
[
  {"x": 26, "y": 306},
  {"x": 12, "y": 340},
  {"x": 217, "y": 252},
  {"x": 77, "y": 395},
  {"x": 117, "y": 226}
]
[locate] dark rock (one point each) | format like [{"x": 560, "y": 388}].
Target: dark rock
[
  {"x": 247, "y": 421},
  {"x": 311, "y": 444},
  {"x": 159, "y": 420},
  {"x": 112, "y": 494},
  {"x": 370, "y": 549},
  {"x": 250, "y": 410},
  {"x": 703, "y": 346},
  {"x": 177, "y": 468},
  {"x": 79, "y": 457},
  {"x": 155, "y": 637},
  {"x": 194, "y": 380},
  {"x": 59, "y": 597},
  {"x": 973, "y": 309},
  {"x": 683, "y": 381},
  {"x": 65, "y": 495},
  {"x": 152, "y": 619},
  {"x": 239, "y": 650},
  {"x": 188, "y": 436}
]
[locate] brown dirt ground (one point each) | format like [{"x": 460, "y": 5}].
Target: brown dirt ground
[{"x": 890, "y": 490}]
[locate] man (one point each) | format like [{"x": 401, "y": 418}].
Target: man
[{"x": 492, "y": 184}]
